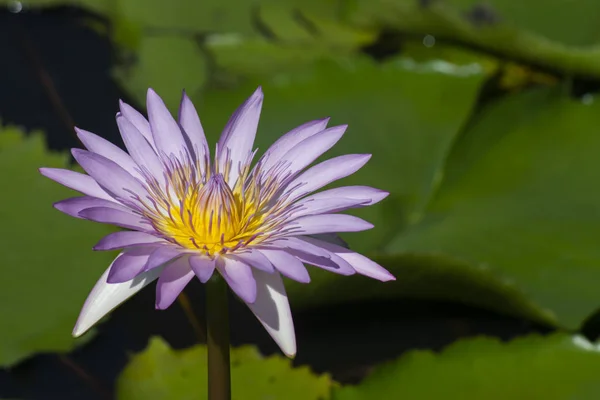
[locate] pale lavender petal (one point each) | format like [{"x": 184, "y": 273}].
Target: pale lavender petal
[
  {"x": 172, "y": 281},
  {"x": 120, "y": 218},
  {"x": 75, "y": 205},
  {"x": 308, "y": 150},
  {"x": 128, "y": 265},
  {"x": 110, "y": 176},
  {"x": 326, "y": 172},
  {"x": 166, "y": 132},
  {"x": 326, "y": 223},
  {"x": 139, "y": 148},
  {"x": 285, "y": 143},
  {"x": 190, "y": 122},
  {"x": 203, "y": 267},
  {"x": 365, "y": 194},
  {"x": 360, "y": 263},
  {"x": 239, "y": 277},
  {"x": 332, "y": 238},
  {"x": 315, "y": 255},
  {"x": 74, "y": 180},
  {"x": 105, "y": 297},
  {"x": 138, "y": 120},
  {"x": 123, "y": 239},
  {"x": 255, "y": 259},
  {"x": 106, "y": 149},
  {"x": 162, "y": 255},
  {"x": 287, "y": 264},
  {"x": 272, "y": 309},
  {"x": 324, "y": 206},
  {"x": 238, "y": 136}
]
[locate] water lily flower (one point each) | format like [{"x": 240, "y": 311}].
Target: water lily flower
[{"x": 187, "y": 216}]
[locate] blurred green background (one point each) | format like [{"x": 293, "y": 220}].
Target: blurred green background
[{"x": 484, "y": 126}]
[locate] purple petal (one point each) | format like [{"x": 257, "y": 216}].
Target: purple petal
[
  {"x": 239, "y": 277},
  {"x": 327, "y": 223},
  {"x": 167, "y": 134},
  {"x": 162, "y": 255},
  {"x": 172, "y": 281},
  {"x": 120, "y": 218},
  {"x": 255, "y": 259},
  {"x": 326, "y": 172},
  {"x": 360, "y": 263},
  {"x": 203, "y": 267},
  {"x": 365, "y": 194},
  {"x": 285, "y": 143},
  {"x": 238, "y": 136},
  {"x": 75, "y": 205},
  {"x": 106, "y": 149},
  {"x": 324, "y": 206},
  {"x": 74, "y": 180},
  {"x": 190, "y": 122},
  {"x": 139, "y": 148},
  {"x": 272, "y": 309},
  {"x": 315, "y": 255},
  {"x": 123, "y": 239},
  {"x": 128, "y": 265},
  {"x": 287, "y": 264},
  {"x": 138, "y": 120},
  {"x": 110, "y": 176}
]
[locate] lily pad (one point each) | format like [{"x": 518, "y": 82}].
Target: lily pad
[
  {"x": 160, "y": 372},
  {"x": 46, "y": 260},
  {"x": 557, "y": 367}
]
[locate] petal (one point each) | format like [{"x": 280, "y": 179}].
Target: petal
[
  {"x": 315, "y": 255},
  {"x": 106, "y": 149},
  {"x": 162, "y": 255},
  {"x": 139, "y": 148},
  {"x": 238, "y": 136},
  {"x": 287, "y": 264},
  {"x": 323, "y": 206},
  {"x": 367, "y": 195},
  {"x": 239, "y": 278},
  {"x": 326, "y": 172},
  {"x": 255, "y": 259},
  {"x": 110, "y": 176},
  {"x": 285, "y": 143},
  {"x": 273, "y": 310},
  {"x": 332, "y": 238},
  {"x": 190, "y": 122},
  {"x": 138, "y": 120},
  {"x": 167, "y": 134},
  {"x": 326, "y": 223},
  {"x": 104, "y": 297},
  {"x": 203, "y": 267},
  {"x": 74, "y": 180},
  {"x": 172, "y": 281},
  {"x": 123, "y": 239},
  {"x": 115, "y": 217},
  {"x": 360, "y": 263},
  {"x": 75, "y": 205},
  {"x": 128, "y": 265}
]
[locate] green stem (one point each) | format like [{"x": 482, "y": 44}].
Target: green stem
[{"x": 217, "y": 326}]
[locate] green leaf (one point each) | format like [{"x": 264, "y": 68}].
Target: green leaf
[
  {"x": 557, "y": 367},
  {"x": 162, "y": 373},
  {"x": 47, "y": 262}
]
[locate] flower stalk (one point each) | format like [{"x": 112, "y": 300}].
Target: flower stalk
[{"x": 217, "y": 323}]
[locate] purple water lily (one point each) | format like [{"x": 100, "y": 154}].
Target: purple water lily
[{"x": 187, "y": 216}]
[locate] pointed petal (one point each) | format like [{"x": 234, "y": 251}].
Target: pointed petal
[
  {"x": 139, "y": 148},
  {"x": 138, "y": 120},
  {"x": 162, "y": 255},
  {"x": 367, "y": 195},
  {"x": 106, "y": 149},
  {"x": 190, "y": 122},
  {"x": 239, "y": 278},
  {"x": 326, "y": 172},
  {"x": 273, "y": 310},
  {"x": 172, "y": 281},
  {"x": 324, "y": 206},
  {"x": 123, "y": 239},
  {"x": 327, "y": 223},
  {"x": 203, "y": 267},
  {"x": 115, "y": 217},
  {"x": 255, "y": 259},
  {"x": 360, "y": 263},
  {"x": 128, "y": 265},
  {"x": 75, "y": 205},
  {"x": 285, "y": 143},
  {"x": 74, "y": 180},
  {"x": 238, "y": 136},
  {"x": 104, "y": 297},
  {"x": 167, "y": 134},
  {"x": 287, "y": 264}
]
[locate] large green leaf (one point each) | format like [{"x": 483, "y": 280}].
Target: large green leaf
[
  {"x": 162, "y": 373},
  {"x": 46, "y": 260},
  {"x": 558, "y": 367}
]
